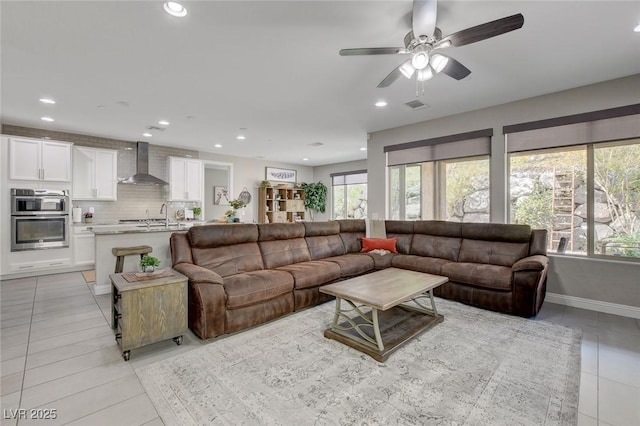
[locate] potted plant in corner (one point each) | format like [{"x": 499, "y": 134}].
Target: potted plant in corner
[
  {"x": 149, "y": 263},
  {"x": 315, "y": 197}
]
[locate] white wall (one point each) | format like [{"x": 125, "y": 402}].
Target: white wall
[
  {"x": 323, "y": 174},
  {"x": 248, "y": 172},
  {"x": 578, "y": 277},
  {"x": 212, "y": 178}
]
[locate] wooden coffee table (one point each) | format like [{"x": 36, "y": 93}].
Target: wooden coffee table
[{"x": 389, "y": 323}]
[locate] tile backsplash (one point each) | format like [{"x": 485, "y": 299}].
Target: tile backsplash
[{"x": 133, "y": 200}]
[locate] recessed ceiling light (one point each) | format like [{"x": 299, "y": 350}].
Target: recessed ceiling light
[
  {"x": 163, "y": 122},
  {"x": 46, "y": 119},
  {"x": 363, "y": 148},
  {"x": 637, "y": 28},
  {"x": 217, "y": 145},
  {"x": 147, "y": 135},
  {"x": 381, "y": 104},
  {"x": 305, "y": 159},
  {"x": 175, "y": 9},
  {"x": 47, "y": 101},
  {"x": 241, "y": 137}
]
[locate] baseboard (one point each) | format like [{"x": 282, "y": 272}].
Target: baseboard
[
  {"x": 594, "y": 305},
  {"x": 101, "y": 289}
]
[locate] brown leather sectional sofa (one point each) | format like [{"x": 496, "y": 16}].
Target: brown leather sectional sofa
[{"x": 241, "y": 275}]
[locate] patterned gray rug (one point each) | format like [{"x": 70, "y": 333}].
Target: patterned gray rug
[{"x": 475, "y": 368}]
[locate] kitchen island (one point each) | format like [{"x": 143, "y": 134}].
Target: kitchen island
[{"x": 108, "y": 237}]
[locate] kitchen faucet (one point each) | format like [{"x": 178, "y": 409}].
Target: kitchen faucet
[
  {"x": 166, "y": 214},
  {"x": 148, "y": 219}
]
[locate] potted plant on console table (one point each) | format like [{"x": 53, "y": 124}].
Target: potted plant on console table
[{"x": 149, "y": 263}]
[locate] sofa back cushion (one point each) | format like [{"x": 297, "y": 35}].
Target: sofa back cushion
[
  {"x": 282, "y": 244},
  {"x": 180, "y": 248},
  {"x": 435, "y": 238},
  {"x": 496, "y": 244},
  {"x": 226, "y": 249},
  {"x": 218, "y": 235},
  {"x": 403, "y": 231},
  {"x": 538, "y": 243},
  {"x": 351, "y": 232},
  {"x": 323, "y": 239}
]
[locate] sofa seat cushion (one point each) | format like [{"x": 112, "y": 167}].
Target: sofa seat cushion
[
  {"x": 353, "y": 264},
  {"x": 312, "y": 273},
  {"x": 429, "y": 265},
  {"x": 255, "y": 287},
  {"x": 478, "y": 274}
]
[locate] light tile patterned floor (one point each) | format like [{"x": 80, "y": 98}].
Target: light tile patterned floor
[{"x": 58, "y": 352}]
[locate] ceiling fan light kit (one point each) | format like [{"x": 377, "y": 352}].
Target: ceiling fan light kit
[{"x": 425, "y": 41}]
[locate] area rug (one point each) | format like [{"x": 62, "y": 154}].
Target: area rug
[
  {"x": 475, "y": 368},
  {"x": 89, "y": 276}
]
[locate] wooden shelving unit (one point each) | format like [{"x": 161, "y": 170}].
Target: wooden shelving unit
[{"x": 280, "y": 204}]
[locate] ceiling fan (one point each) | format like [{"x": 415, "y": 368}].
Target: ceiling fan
[{"x": 425, "y": 43}]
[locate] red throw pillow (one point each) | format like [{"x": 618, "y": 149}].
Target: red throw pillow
[{"x": 369, "y": 244}]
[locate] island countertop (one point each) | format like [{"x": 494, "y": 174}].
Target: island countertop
[
  {"x": 140, "y": 228},
  {"x": 109, "y": 236}
]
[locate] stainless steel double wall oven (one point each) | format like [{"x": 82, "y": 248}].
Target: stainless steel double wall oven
[{"x": 39, "y": 219}]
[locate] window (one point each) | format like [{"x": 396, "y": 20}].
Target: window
[
  {"x": 349, "y": 194},
  {"x": 578, "y": 176},
  {"x": 588, "y": 194},
  {"x": 456, "y": 190},
  {"x": 443, "y": 178},
  {"x": 547, "y": 190},
  {"x": 616, "y": 197}
]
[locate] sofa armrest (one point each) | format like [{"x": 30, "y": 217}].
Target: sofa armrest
[
  {"x": 529, "y": 284},
  {"x": 531, "y": 263},
  {"x": 198, "y": 274},
  {"x": 207, "y": 300}
]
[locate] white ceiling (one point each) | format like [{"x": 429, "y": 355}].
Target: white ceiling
[{"x": 273, "y": 68}]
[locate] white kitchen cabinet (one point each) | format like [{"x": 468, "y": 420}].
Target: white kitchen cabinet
[
  {"x": 39, "y": 260},
  {"x": 95, "y": 174},
  {"x": 84, "y": 246},
  {"x": 185, "y": 179},
  {"x": 41, "y": 160}
]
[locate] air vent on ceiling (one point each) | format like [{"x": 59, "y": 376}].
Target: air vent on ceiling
[
  {"x": 159, "y": 129},
  {"x": 316, "y": 144},
  {"x": 416, "y": 104}
]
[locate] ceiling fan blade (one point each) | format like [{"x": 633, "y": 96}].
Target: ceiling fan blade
[
  {"x": 374, "y": 51},
  {"x": 455, "y": 69},
  {"x": 486, "y": 30},
  {"x": 393, "y": 76},
  {"x": 424, "y": 17}
]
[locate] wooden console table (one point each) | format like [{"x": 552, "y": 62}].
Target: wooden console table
[{"x": 148, "y": 308}]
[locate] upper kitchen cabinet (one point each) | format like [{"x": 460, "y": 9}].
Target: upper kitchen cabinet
[
  {"x": 95, "y": 174},
  {"x": 42, "y": 160},
  {"x": 185, "y": 179}
]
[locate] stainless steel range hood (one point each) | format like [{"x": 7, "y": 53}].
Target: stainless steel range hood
[{"x": 142, "y": 176}]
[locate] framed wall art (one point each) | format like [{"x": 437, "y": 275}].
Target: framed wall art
[
  {"x": 220, "y": 195},
  {"x": 280, "y": 175}
]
